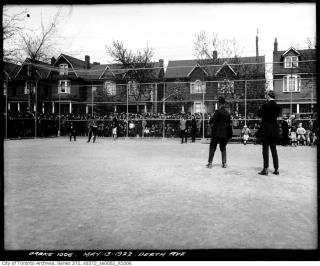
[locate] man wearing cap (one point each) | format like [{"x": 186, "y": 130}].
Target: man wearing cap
[
  {"x": 221, "y": 126},
  {"x": 269, "y": 132}
]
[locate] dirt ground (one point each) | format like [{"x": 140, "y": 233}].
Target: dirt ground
[{"x": 155, "y": 194}]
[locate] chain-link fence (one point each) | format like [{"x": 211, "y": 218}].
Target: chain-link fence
[{"x": 154, "y": 109}]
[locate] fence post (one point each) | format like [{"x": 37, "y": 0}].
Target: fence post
[
  {"x": 203, "y": 109},
  {"x": 163, "y": 128},
  {"x": 127, "y": 133},
  {"x": 36, "y": 109},
  {"x": 6, "y": 133},
  {"x": 245, "y": 102}
]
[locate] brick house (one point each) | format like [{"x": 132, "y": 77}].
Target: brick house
[
  {"x": 294, "y": 74},
  {"x": 9, "y": 72},
  {"x": 27, "y": 85},
  {"x": 194, "y": 82},
  {"x": 71, "y": 85}
]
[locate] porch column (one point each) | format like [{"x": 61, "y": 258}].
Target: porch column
[
  {"x": 87, "y": 109},
  {"x": 18, "y": 107},
  {"x": 115, "y": 109},
  {"x": 216, "y": 106},
  {"x": 8, "y": 106},
  {"x": 145, "y": 108},
  {"x": 70, "y": 107},
  {"x": 298, "y": 108},
  {"x": 53, "y": 107}
]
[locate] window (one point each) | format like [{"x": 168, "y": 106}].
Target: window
[
  {"x": 132, "y": 87},
  {"x": 197, "y": 87},
  {"x": 64, "y": 86},
  {"x": 29, "y": 87},
  {"x": 226, "y": 86},
  {"x": 63, "y": 69},
  {"x": 110, "y": 87},
  {"x": 5, "y": 87},
  {"x": 197, "y": 107},
  {"x": 290, "y": 61},
  {"x": 292, "y": 83},
  {"x": 29, "y": 71}
]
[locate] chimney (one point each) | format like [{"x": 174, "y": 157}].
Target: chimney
[
  {"x": 257, "y": 45},
  {"x": 275, "y": 45},
  {"x": 214, "y": 55},
  {"x": 161, "y": 62},
  {"x": 87, "y": 59},
  {"x": 53, "y": 60}
]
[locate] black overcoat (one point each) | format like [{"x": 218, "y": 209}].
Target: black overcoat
[
  {"x": 220, "y": 122},
  {"x": 269, "y": 112}
]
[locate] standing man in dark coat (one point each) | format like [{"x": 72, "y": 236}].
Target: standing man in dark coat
[
  {"x": 193, "y": 128},
  {"x": 72, "y": 132},
  {"x": 285, "y": 132},
  {"x": 269, "y": 131},
  {"x": 221, "y": 127}
]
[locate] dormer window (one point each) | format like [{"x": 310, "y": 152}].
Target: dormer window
[
  {"x": 197, "y": 87},
  {"x": 291, "y": 61},
  {"x": 28, "y": 86},
  {"x": 63, "y": 69},
  {"x": 5, "y": 88},
  {"x": 29, "y": 71},
  {"x": 110, "y": 87},
  {"x": 64, "y": 86}
]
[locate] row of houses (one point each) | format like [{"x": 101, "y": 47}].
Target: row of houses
[{"x": 71, "y": 85}]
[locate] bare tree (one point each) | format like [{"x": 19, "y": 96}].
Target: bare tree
[
  {"x": 204, "y": 47},
  {"x": 215, "y": 52},
  {"x": 311, "y": 44},
  {"x": 138, "y": 67},
  {"x": 12, "y": 27},
  {"x": 40, "y": 46}
]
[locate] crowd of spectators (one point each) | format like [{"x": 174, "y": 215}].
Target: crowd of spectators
[{"x": 22, "y": 124}]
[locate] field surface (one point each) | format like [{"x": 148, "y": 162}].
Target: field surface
[{"x": 155, "y": 194}]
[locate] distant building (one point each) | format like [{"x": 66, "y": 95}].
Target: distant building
[
  {"x": 294, "y": 74},
  {"x": 71, "y": 85},
  {"x": 197, "y": 81}
]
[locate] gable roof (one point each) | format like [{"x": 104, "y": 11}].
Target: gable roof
[
  {"x": 42, "y": 68},
  {"x": 224, "y": 65},
  {"x": 197, "y": 66},
  {"x": 291, "y": 49},
  {"x": 181, "y": 68},
  {"x": 10, "y": 70},
  {"x": 303, "y": 67}
]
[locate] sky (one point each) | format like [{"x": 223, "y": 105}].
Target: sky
[{"x": 170, "y": 29}]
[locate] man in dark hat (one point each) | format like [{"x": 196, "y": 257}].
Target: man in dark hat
[
  {"x": 285, "y": 131},
  {"x": 220, "y": 133},
  {"x": 269, "y": 132}
]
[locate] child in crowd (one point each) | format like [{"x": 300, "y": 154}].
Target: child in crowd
[
  {"x": 245, "y": 134},
  {"x": 301, "y": 134},
  {"x": 293, "y": 136},
  {"x": 114, "y": 133}
]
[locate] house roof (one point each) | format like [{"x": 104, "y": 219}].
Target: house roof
[
  {"x": 181, "y": 68},
  {"x": 42, "y": 68},
  {"x": 10, "y": 69},
  {"x": 98, "y": 71},
  {"x": 303, "y": 67},
  {"x": 291, "y": 49}
]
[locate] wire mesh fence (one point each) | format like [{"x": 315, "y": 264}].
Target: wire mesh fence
[{"x": 153, "y": 108}]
